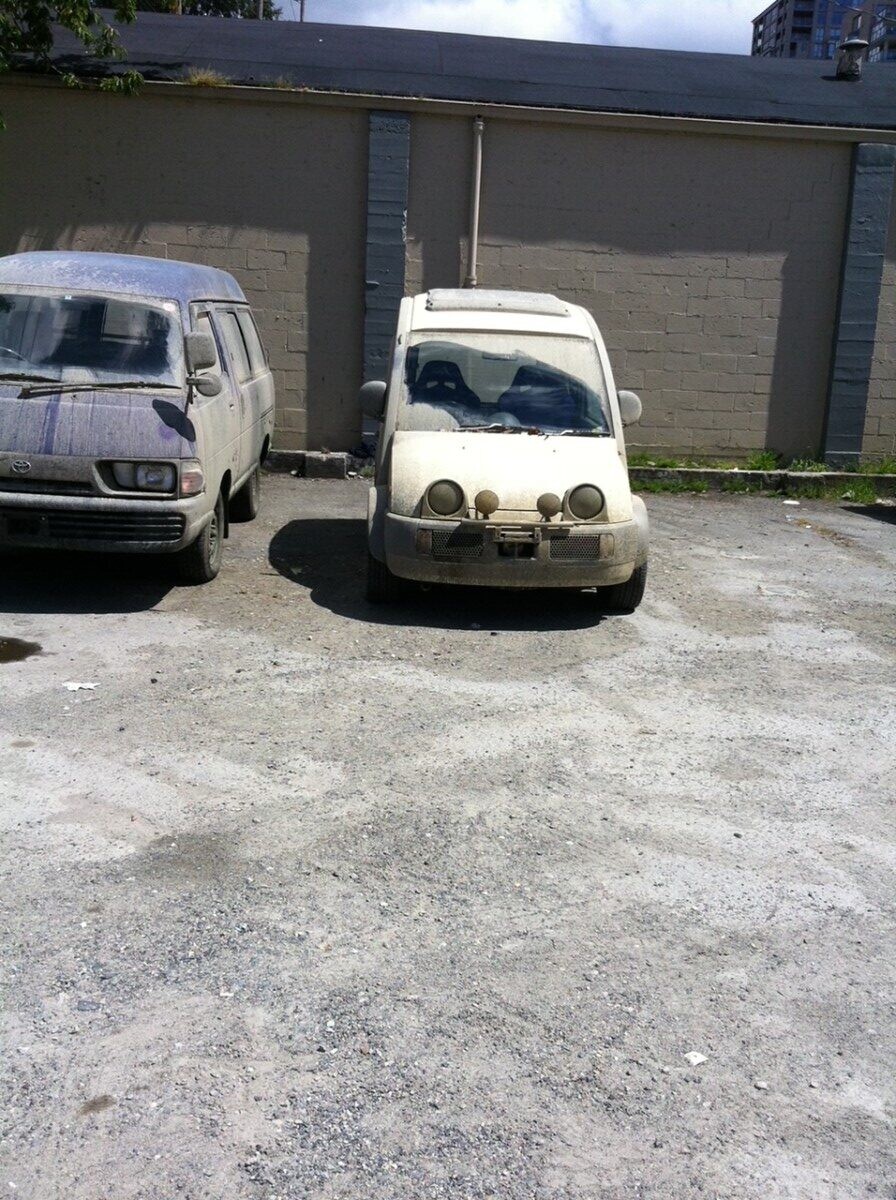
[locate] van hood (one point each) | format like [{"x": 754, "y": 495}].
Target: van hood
[
  {"x": 518, "y": 467},
  {"x": 96, "y": 424}
]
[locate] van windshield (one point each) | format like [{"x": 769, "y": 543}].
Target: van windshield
[
  {"x": 503, "y": 381},
  {"x": 89, "y": 339}
]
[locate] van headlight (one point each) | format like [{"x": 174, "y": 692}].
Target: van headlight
[
  {"x": 144, "y": 476},
  {"x": 585, "y": 501},
  {"x": 446, "y": 498}
]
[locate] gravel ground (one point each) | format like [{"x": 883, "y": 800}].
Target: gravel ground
[{"x": 307, "y": 899}]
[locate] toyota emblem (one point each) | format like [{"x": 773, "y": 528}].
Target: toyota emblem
[{"x": 21, "y": 466}]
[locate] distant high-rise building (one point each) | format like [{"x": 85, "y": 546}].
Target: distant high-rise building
[
  {"x": 876, "y": 23},
  {"x": 815, "y": 28}
]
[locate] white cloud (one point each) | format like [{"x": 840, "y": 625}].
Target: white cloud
[{"x": 719, "y": 25}]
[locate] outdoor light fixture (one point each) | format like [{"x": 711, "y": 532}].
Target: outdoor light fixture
[{"x": 849, "y": 60}]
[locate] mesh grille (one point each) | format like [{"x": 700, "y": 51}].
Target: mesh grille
[
  {"x": 574, "y": 549},
  {"x": 462, "y": 542},
  {"x": 93, "y": 526}
]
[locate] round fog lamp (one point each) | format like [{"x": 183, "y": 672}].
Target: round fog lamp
[
  {"x": 549, "y": 505},
  {"x": 446, "y": 498},
  {"x": 585, "y": 501},
  {"x": 486, "y": 502}
]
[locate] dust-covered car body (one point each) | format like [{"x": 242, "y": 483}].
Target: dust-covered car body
[
  {"x": 131, "y": 416},
  {"x": 501, "y": 458}
]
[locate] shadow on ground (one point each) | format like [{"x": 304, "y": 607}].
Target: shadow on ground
[
  {"x": 329, "y": 558},
  {"x": 877, "y": 512},
  {"x": 53, "y": 581}
]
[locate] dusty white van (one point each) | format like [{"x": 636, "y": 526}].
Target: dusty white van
[
  {"x": 501, "y": 457},
  {"x": 136, "y": 406}
]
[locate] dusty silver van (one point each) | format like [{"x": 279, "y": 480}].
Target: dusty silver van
[
  {"x": 136, "y": 406},
  {"x": 501, "y": 458}
]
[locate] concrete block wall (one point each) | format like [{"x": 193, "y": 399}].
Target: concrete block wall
[
  {"x": 710, "y": 262},
  {"x": 273, "y": 193},
  {"x": 880, "y": 418},
  {"x": 711, "y": 265}
]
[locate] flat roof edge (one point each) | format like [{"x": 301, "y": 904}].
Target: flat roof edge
[{"x": 744, "y": 126}]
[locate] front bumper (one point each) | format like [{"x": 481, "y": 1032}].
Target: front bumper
[
  {"x": 494, "y": 554},
  {"x": 98, "y": 523}
]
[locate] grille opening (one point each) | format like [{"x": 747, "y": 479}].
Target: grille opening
[
  {"x": 48, "y": 487},
  {"x": 575, "y": 549},
  {"x": 462, "y": 542},
  {"x": 92, "y": 526}
]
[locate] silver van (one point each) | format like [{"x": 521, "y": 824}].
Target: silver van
[{"x": 136, "y": 406}]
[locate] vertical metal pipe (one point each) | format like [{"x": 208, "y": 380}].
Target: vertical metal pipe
[{"x": 475, "y": 197}]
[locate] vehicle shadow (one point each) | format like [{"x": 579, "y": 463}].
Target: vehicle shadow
[
  {"x": 53, "y": 581},
  {"x": 329, "y": 558},
  {"x": 877, "y": 512}
]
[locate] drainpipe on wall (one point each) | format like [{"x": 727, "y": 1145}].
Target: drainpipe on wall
[{"x": 475, "y": 194}]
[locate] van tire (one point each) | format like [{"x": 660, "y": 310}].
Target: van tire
[
  {"x": 245, "y": 504},
  {"x": 382, "y": 586},
  {"x": 200, "y": 562},
  {"x": 624, "y": 597}
]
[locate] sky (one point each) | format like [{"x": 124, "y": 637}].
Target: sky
[{"x": 723, "y": 26}]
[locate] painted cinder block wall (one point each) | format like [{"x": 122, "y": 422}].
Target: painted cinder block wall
[
  {"x": 880, "y": 419},
  {"x": 274, "y": 193},
  {"x": 711, "y": 261}
]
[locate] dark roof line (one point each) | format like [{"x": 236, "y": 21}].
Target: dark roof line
[{"x": 505, "y": 71}]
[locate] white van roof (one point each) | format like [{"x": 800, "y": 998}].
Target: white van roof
[
  {"x": 494, "y": 300},
  {"x": 501, "y": 311}
]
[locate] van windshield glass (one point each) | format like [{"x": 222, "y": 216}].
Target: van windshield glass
[
  {"x": 503, "y": 381},
  {"x": 89, "y": 339}
]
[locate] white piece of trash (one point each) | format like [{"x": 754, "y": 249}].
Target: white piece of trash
[
  {"x": 794, "y": 503},
  {"x": 74, "y": 686},
  {"x": 695, "y": 1059}
]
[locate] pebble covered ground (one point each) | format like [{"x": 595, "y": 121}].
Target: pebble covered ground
[{"x": 482, "y": 896}]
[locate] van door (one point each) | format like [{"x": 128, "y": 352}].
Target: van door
[
  {"x": 262, "y": 384},
  {"x": 247, "y": 385},
  {"x": 220, "y": 418}
]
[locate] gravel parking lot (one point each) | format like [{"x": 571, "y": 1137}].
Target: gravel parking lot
[{"x": 307, "y": 899}]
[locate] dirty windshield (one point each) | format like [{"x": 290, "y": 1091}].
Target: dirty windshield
[
  {"x": 77, "y": 339},
  {"x": 502, "y": 382}
]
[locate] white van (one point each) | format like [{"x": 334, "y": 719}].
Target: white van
[
  {"x": 501, "y": 458},
  {"x": 136, "y": 406}
]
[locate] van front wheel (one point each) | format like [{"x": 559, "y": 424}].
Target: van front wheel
[
  {"x": 244, "y": 505},
  {"x": 382, "y": 586},
  {"x": 200, "y": 562},
  {"x": 624, "y": 597}
]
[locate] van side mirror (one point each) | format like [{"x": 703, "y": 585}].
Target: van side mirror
[
  {"x": 373, "y": 399},
  {"x": 199, "y": 351},
  {"x": 207, "y": 385},
  {"x": 629, "y": 407}
]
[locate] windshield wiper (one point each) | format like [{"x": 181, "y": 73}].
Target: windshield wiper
[
  {"x": 583, "y": 433},
  {"x": 26, "y": 375},
  {"x": 498, "y": 427},
  {"x": 44, "y": 388}
]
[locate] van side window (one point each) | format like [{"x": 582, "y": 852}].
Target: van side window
[
  {"x": 257, "y": 359},
  {"x": 236, "y": 347},
  {"x": 202, "y": 323}
]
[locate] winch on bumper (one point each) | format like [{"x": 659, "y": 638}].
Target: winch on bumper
[
  {"x": 72, "y": 522},
  {"x": 511, "y": 554}
]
